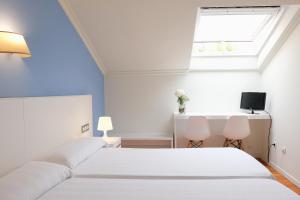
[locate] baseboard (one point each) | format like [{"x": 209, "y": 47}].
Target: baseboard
[{"x": 287, "y": 175}]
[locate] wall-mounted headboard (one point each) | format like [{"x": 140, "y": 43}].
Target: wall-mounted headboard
[{"x": 32, "y": 126}]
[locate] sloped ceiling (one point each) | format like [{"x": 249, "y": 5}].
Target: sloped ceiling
[{"x": 142, "y": 35}]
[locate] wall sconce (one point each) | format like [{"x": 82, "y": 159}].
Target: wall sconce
[{"x": 13, "y": 43}]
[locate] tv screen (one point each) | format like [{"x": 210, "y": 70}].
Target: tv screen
[{"x": 253, "y": 100}]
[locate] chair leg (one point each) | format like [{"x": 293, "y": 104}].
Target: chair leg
[
  {"x": 225, "y": 143},
  {"x": 240, "y": 144},
  {"x": 237, "y": 144},
  {"x": 195, "y": 144},
  {"x": 189, "y": 145},
  {"x": 234, "y": 143}
]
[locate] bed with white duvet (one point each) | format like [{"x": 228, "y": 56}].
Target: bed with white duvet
[
  {"x": 88, "y": 159},
  {"x": 50, "y": 181},
  {"x": 139, "y": 189},
  {"x": 201, "y": 163}
]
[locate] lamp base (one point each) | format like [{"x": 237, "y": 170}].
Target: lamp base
[{"x": 104, "y": 134}]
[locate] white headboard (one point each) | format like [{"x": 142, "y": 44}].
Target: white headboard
[{"x": 32, "y": 126}]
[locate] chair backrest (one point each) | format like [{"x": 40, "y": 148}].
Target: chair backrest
[
  {"x": 197, "y": 128},
  {"x": 237, "y": 128}
]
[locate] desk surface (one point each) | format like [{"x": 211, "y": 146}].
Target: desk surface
[{"x": 259, "y": 115}]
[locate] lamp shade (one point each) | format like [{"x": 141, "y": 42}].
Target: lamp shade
[
  {"x": 13, "y": 43},
  {"x": 105, "y": 124}
]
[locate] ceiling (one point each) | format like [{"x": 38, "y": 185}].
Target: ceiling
[{"x": 142, "y": 35}]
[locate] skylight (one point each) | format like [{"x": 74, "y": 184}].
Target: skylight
[{"x": 233, "y": 31}]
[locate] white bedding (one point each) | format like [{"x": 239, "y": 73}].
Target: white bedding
[
  {"x": 171, "y": 163},
  {"x": 138, "y": 189},
  {"x": 75, "y": 151},
  {"x": 32, "y": 180}
]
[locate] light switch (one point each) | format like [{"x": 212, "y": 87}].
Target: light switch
[{"x": 85, "y": 128}]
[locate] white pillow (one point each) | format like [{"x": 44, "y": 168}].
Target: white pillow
[
  {"x": 76, "y": 151},
  {"x": 32, "y": 180}
]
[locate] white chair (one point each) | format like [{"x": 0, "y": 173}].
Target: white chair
[
  {"x": 197, "y": 130},
  {"x": 236, "y": 129}
]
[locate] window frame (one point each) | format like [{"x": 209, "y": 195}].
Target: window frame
[{"x": 260, "y": 37}]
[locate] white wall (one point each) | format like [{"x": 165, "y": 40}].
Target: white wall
[
  {"x": 145, "y": 103},
  {"x": 281, "y": 81}
]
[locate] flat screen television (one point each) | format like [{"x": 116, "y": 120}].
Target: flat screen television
[{"x": 253, "y": 101}]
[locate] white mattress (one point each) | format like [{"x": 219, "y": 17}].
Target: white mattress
[
  {"x": 134, "y": 189},
  {"x": 171, "y": 163}
]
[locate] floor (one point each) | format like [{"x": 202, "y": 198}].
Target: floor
[{"x": 280, "y": 178}]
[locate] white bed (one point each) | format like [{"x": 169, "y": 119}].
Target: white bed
[
  {"x": 38, "y": 180},
  {"x": 130, "y": 189},
  {"x": 204, "y": 163}
]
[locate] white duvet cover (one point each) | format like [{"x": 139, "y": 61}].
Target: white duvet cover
[
  {"x": 171, "y": 163},
  {"x": 32, "y": 180},
  {"x": 138, "y": 189}
]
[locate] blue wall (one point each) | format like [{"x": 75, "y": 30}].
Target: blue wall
[{"x": 60, "y": 63}]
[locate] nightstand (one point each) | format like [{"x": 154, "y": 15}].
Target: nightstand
[{"x": 112, "y": 142}]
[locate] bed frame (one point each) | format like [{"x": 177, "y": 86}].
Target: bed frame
[{"x": 32, "y": 126}]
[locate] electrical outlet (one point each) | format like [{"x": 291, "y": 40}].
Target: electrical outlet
[
  {"x": 85, "y": 128},
  {"x": 283, "y": 150},
  {"x": 274, "y": 144}
]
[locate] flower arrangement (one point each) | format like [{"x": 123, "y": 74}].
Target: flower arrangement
[{"x": 181, "y": 99}]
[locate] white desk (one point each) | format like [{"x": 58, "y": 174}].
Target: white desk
[
  {"x": 260, "y": 115},
  {"x": 256, "y": 144}
]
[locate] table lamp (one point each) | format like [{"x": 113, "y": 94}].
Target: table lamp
[{"x": 104, "y": 124}]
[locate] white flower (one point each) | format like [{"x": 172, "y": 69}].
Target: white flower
[{"x": 179, "y": 93}]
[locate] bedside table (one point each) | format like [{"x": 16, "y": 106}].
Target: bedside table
[{"x": 112, "y": 142}]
